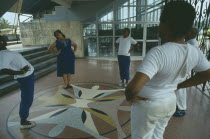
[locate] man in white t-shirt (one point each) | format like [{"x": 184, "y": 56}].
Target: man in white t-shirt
[
  {"x": 163, "y": 70},
  {"x": 125, "y": 43},
  {"x": 181, "y": 94},
  {"x": 15, "y": 64}
]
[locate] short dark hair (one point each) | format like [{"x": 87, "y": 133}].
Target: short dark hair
[
  {"x": 59, "y": 31},
  {"x": 180, "y": 16},
  {"x": 127, "y": 29}
]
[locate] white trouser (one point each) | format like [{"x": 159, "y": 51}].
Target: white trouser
[
  {"x": 149, "y": 118},
  {"x": 181, "y": 96}
]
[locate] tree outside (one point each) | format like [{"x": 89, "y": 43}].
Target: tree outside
[{"x": 4, "y": 23}]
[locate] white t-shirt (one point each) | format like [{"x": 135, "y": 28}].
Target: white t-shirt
[
  {"x": 167, "y": 66},
  {"x": 14, "y": 61},
  {"x": 125, "y": 45},
  {"x": 193, "y": 42}
]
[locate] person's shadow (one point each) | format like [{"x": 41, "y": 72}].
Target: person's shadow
[{"x": 27, "y": 134}]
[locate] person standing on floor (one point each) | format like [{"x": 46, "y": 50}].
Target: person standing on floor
[
  {"x": 164, "y": 70},
  {"x": 181, "y": 94},
  {"x": 124, "y": 43},
  {"x": 13, "y": 63},
  {"x": 65, "y": 57}
]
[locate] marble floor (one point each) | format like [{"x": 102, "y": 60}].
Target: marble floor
[{"x": 94, "y": 108}]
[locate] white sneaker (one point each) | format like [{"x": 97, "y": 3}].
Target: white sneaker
[
  {"x": 121, "y": 84},
  {"x": 32, "y": 124},
  {"x": 125, "y": 85}
]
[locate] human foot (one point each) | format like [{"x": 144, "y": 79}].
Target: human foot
[{"x": 27, "y": 124}]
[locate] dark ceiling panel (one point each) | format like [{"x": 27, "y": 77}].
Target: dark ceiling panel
[
  {"x": 5, "y": 5},
  {"x": 34, "y": 6}
]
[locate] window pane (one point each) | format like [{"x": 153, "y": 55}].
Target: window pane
[
  {"x": 107, "y": 17},
  {"x": 105, "y": 46},
  {"x": 153, "y": 13},
  {"x": 90, "y": 44},
  {"x": 140, "y": 2},
  {"x": 137, "y": 31},
  {"x": 89, "y": 30},
  {"x": 122, "y": 14},
  {"x": 150, "y": 45},
  {"x": 152, "y": 32},
  {"x": 105, "y": 30},
  {"x": 119, "y": 29},
  {"x": 116, "y": 48},
  {"x": 154, "y": 2},
  {"x": 137, "y": 51},
  {"x": 121, "y": 2}
]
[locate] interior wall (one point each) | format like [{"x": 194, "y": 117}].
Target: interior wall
[{"x": 41, "y": 33}]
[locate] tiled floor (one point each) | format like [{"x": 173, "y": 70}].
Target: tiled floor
[{"x": 95, "y": 89}]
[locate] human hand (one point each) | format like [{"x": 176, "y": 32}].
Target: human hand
[
  {"x": 25, "y": 69},
  {"x": 58, "y": 53},
  {"x": 136, "y": 98},
  {"x": 73, "y": 50}
]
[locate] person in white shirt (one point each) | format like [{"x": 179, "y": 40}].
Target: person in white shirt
[
  {"x": 13, "y": 63},
  {"x": 124, "y": 43},
  {"x": 181, "y": 94},
  {"x": 164, "y": 70}
]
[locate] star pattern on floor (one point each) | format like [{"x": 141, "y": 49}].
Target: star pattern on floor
[{"x": 76, "y": 107}]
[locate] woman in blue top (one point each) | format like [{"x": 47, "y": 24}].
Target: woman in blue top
[{"x": 65, "y": 57}]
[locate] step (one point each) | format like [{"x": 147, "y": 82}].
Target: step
[
  {"x": 37, "y": 54},
  {"x": 32, "y": 58},
  {"x": 6, "y": 88},
  {"x": 26, "y": 52},
  {"x": 41, "y": 58},
  {"x": 39, "y": 66}
]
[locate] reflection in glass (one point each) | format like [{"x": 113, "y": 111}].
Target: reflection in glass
[
  {"x": 105, "y": 46},
  {"x": 105, "y": 30},
  {"x": 89, "y": 29},
  {"x": 90, "y": 45},
  {"x": 150, "y": 45},
  {"x": 140, "y": 13},
  {"x": 152, "y": 32},
  {"x": 137, "y": 31},
  {"x": 107, "y": 17}
]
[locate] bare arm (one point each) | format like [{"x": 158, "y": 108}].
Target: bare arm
[
  {"x": 117, "y": 45},
  {"x": 12, "y": 72},
  {"x": 135, "y": 46},
  {"x": 199, "y": 78},
  {"x": 135, "y": 86},
  {"x": 52, "y": 47},
  {"x": 75, "y": 46}
]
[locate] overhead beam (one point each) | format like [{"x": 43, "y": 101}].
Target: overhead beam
[{"x": 65, "y": 3}]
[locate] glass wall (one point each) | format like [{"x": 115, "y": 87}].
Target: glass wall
[{"x": 141, "y": 16}]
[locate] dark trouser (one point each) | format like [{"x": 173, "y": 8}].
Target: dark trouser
[
  {"x": 27, "y": 95},
  {"x": 124, "y": 67}
]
